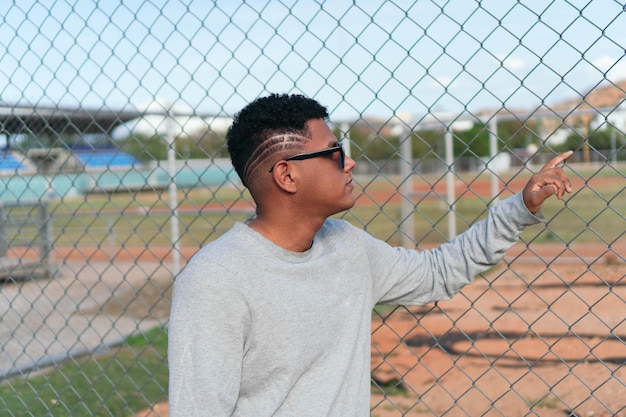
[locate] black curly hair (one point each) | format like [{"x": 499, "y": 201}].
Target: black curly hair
[{"x": 267, "y": 121}]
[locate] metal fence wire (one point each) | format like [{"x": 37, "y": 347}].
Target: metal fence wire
[{"x": 113, "y": 172}]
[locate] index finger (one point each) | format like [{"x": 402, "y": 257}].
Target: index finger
[{"x": 557, "y": 160}]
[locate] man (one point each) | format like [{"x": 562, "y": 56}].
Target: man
[{"x": 273, "y": 318}]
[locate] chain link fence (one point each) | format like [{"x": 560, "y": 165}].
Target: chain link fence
[{"x": 113, "y": 172}]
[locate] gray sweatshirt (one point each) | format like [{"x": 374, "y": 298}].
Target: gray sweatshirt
[{"x": 256, "y": 330}]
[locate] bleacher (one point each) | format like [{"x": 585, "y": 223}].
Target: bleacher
[
  {"x": 105, "y": 159},
  {"x": 11, "y": 164}
]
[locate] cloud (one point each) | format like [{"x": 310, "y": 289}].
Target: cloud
[
  {"x": 513, "y": 64},
  {"x": 444, "y": 80},
  {"x": 614, "y": 69}
]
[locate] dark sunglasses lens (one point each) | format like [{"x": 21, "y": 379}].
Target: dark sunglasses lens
[{"x": 342, "y": 158}]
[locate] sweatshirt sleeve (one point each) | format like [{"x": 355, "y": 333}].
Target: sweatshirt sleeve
[
  {"x": 208, "y": 323},
  {"x": 406, "y": 276}
]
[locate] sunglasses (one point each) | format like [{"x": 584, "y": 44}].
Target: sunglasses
[{"x": 315, "y": 154}]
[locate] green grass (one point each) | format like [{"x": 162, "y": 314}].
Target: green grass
[
  {"x": 97, "y": 220},
  {"x": 587, "y": 215},
  {"x": 391, "y": 387},
  {"x": 549, "y": 402},
  {"x": 128, "y": 379}
]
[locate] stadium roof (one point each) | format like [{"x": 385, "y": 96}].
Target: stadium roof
[{"x": 41, "y": 120}]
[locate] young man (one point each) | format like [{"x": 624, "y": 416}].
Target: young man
[{"x": 273, "y": 317}]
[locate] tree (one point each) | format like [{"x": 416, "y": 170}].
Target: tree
[
  {"x": 598, "y": 140},
  {"x": 373, "y": 145},
  {"x": 517, "y": 134},
  {"x": 425, "y": 143},
  {"x": 206, "y": 144},
  {"x": 472, "y": 142},
  {"x": 145, "y": 148}
]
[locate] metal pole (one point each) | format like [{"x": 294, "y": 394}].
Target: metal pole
[
  {"x": 173, "y": 193},
  {"x": 613, "y": 146},
  {"x": 4, "y": 240},
  {"x": 493, "y": 152},
  {"x": 450, "y": 183},
  {"x": 346, "y": 140},
  {"x": 45, "y": 232},
  {"x": 407, "y": 223}
]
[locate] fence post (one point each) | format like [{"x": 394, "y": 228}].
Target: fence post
[
  {"x": 45, "y": 234},
  {"x": 450, "y": 183},
  {"x": 493, "y": 152},
  {"x": 4, "y": 243},
  {"x": 407, "y": 223},
  {"x": 173, "y": 190}
]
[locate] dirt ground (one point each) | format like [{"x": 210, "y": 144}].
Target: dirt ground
[
  {"x": 538, "y": 335},
  {"x": 546, "y": 342}
]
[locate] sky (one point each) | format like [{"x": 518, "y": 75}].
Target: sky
[{"x": 358, "y": 58}]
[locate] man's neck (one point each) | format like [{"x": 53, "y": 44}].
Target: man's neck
[{"x": 290, "y": 235}]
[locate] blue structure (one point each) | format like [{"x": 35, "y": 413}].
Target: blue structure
[
  {"x": 87, "y": 167},
  {"x": 9, "y": 164},
  {"x": 105, "y": 159},
  {"x": 189, "y": 174}
]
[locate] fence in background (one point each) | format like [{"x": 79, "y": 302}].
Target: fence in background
[
  {"x": 24, "y": 228},
  {"x": 447, "y": 107}
]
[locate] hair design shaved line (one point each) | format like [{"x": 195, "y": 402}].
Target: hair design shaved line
[{"x": 276, "y": 144}]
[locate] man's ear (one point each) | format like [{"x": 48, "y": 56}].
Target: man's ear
[{"x": 284, "y": 176}]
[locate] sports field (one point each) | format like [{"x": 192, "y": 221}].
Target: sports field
[
  {"x": 593, "y": 213},
  {"x": 543, "y": 331}
]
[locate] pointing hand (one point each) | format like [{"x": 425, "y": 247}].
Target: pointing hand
[{"x": 550, "y": 180}]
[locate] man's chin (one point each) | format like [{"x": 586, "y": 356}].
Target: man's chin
[{"x": 348, "y": 205}]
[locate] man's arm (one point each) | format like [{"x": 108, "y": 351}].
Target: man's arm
[{"x": 427, "y": 276}]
